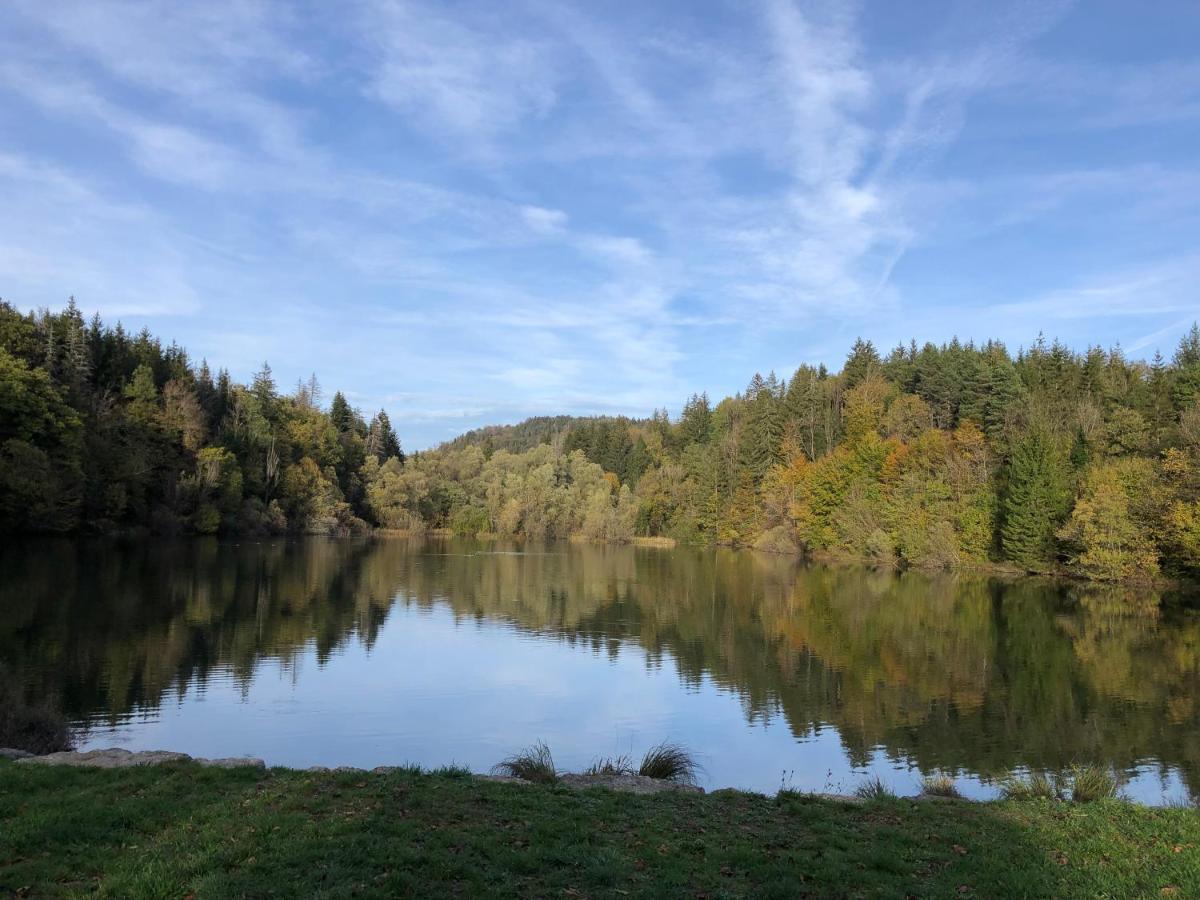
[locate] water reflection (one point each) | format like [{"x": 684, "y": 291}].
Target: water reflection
[{"x": 318, "y": 650}]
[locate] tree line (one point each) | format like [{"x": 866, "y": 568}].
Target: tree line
[{"x": 934, "y": 456}]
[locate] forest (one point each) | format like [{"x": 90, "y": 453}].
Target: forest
[{"x": 935, "y": 456}]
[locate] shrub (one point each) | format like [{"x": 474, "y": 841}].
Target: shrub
[
  {"x": 531, "y": 764},
  {"x": 669, "y": 762},
  {"x": 780, "y": 539}
]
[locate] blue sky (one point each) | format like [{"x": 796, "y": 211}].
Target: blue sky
[{"x": 470, "y": 213}]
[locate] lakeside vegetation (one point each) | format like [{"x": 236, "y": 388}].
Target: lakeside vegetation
[
  {"x": 933, "y": 456},
  {"x": 180, "y": 830}
]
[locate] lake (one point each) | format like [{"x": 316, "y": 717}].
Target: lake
[{"x": 383, "y": 651}]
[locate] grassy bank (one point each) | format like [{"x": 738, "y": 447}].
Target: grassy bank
[{"x": 185, "y": 831}]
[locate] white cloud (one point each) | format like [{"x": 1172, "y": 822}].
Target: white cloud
[{"x": 467, "y": 80}]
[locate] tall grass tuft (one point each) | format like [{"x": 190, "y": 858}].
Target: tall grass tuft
[
  {"x": 1034, "y": 786},
  {"x": 610, "y": 765},
  {"x": 874, "y": 789},
  {"x": 531, "y": 764},
  {"x": 939, "y": 785},
  {"x": 669, "y": 762},
  {"x": 1090, "y": 783}
]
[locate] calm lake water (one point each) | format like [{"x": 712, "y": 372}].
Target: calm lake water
[{"x": 374, "y": 652}]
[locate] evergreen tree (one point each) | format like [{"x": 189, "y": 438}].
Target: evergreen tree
[
  {"x": 1036, "y": 500},
  {"x": 1187, "y": 366},
  {"x": 382, "y": 442},
  {"x": 863, "y": 360},
  {"x": 263, "y": 389},
  {"x": 340, "y": 413},
  {"x": 695, "y": 424}
]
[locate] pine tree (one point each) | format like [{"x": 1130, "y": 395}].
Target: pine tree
[
  {"x": 1036, "y": 501},
  {"x": 263, "y": 388},
  {"x": 340, "y": 413},
  {"x": 1187, "y": 369},
  {"x": 863, "y": 360},
  {"x": 382, "y": 442},
  {"x": 695, "y": 424}
]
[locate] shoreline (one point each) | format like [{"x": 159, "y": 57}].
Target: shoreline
[
  {"x": 120, "y": 758},
  {"x": 183, "y": 829},
  {"x": 996, "y": 569}
]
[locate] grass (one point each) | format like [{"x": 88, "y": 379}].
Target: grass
[
  {"x": 1034, "y": 786},
  {"x": 940, "y": 785},
  {"x": 611, "y": 765},
  {"x": 180, "y": 830},
  {"x": 1092, "y": 783},
  {"x": 534, "y": 764},
  {"x": 670, "y": 762},
  {"x": 874, "y": 789}
]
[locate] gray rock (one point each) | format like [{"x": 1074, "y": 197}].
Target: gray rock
[
  {"x": 233, "y": 762},
  {"x": 317, "y": 769},
  {"x": 112, "y": 758},
  {"x": 631, "y": 784},
  {"x": 385, "y": 770},
  {"x": 13, "y": 753},
  {"x": 348, "y": 769},
  {"x": 116, "y": 758}
]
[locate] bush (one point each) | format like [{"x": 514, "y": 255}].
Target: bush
[
  {"x": 780, "y": 539},
  {"x": 531, "y": 764},
  {"x": 879, "y": 548}
]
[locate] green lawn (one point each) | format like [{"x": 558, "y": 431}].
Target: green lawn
[{"x": 181, "y": 831}]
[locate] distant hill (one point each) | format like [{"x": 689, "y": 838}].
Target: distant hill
[{"x": 532, "y": 432}]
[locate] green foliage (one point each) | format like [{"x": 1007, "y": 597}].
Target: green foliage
[
  {"x": 102, "y": 431},
  {"x": 1110, "y": 526},
  {"x": 937, "y": 457},
  {"x": 1036, "y": 499}
]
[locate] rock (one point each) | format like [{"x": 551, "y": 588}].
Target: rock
[
  {"x": 113, "y": 758},
  {"x": 631, "y": 784},
  {"x": 233, "y": 762},
  {"x": 116, "y": 758},
  {"x": 13, "y": 753},
  {"x": 317, "y": 769},
  {"x": 348, "y": 769},
  {"x": 386, "y": 770}
]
